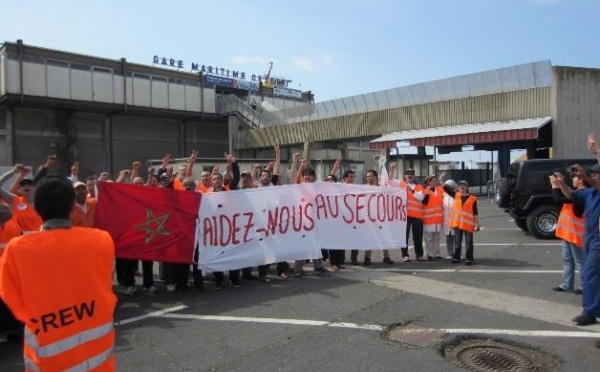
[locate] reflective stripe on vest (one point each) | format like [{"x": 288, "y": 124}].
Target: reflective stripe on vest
[
  {"x": 570, "y": 227},
  {"x": 462, "y": 215},
  {"x": 433, "y": 212},
  {"x": 88, "y": 365},
  {"x": 67, "y": 343}
]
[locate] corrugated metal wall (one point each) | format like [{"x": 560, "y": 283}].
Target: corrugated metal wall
[
  {"x": 576, "y": 113},
  {"x": 521, "y": 104}
]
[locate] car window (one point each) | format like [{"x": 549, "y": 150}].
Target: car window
[{"x": 535, "y": 175}]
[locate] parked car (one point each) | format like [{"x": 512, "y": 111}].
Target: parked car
[{"x": 527, "y": 195}]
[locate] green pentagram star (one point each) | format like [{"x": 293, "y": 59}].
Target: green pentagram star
[{"x": 153, "y": 225}]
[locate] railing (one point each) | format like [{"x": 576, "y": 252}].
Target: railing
[{"x": 232, "y": 105}]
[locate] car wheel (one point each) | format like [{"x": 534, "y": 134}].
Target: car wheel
[
  {"x": 542, "y": 222},
  {"x": 502, "y": 193},
  {"x": 522, "y": 223}
]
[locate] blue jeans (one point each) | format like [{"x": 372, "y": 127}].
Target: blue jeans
[{"x": 572, "y": 258}]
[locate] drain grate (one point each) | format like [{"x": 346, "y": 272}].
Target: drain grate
[{"x": 494, "y": 356}]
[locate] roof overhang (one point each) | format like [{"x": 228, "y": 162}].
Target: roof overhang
[{"x": 466, "y": 134}]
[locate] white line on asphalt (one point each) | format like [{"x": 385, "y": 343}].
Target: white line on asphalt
[
  {"x": 370, "y": 327},
  {"x": 504, "y": 245},
  {"x": 506, "y": 303},
  {"x": 498, "y": 228},
  {"x": 149, "y": 315},
  {"x": 374, "y": 327},
  {"x": 473, "y": 271}
]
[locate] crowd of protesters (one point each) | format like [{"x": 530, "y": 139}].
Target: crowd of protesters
[{"x": 435, "y": 208}]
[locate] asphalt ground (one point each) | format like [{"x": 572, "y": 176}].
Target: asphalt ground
[{"x": 339, "y": 321}]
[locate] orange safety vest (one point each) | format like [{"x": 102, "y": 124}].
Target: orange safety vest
[
  {"x": 26, "y": 215},
  {"x": 82, "y": 218},
  {"x": 178, "y": 184},
  {"x": 415, "y": 208},
  {"x": 570, "y": 227},
  {"x": 203, "y": 189},
  {"x": 68, "y": 306},
  {"x": 10, "y": 229},
  {"x": 462, "y": 215},
  {"x": 433, "y": 212}
]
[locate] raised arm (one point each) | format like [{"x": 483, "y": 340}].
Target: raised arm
[
  {"x": 336, "y": 167},
  {"x": 192, "y": 161},
  {"x": 277, "y": 168},
  {"x": 593, "y": 146},
  {"x": 14, "y": 189},
  {"x": 294, "y": 167},
  {"x": 566, "y": 190},
  {"x": 8, "y": 196},
  {"x": 135, "y": 170},
  {"x": 74, "y": 177},
  {"x": 150, "y": 176}
]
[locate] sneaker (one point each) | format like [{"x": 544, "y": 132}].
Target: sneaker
[
  {"x": 388, "y": 261},
  {"x": 438, "y": 257},
  {"x": 236, "y": 284},
  {"x": 341, "y": 267},
  {"x": 578, "y": 291},
  {"x": 405, "y": 259},
  {"x": 170, "y": 287},
  {"x": 430, "y": 258},
  {"x": 151, "y": 290},
  {"x": 367, "y": 261},
  {"x": 559, "y": 289},
  {"x": 448, "y": 257},
  {"x": 282, "y": 275},
  {"x": 455, "y": 260},
  {"x": 421, "y": 259},
  {"x": 130, "y": 291},
  {"x": 584, "y": 319},
  {"x": 468, "y": 263},
  {"x": 321, "y": 270}
]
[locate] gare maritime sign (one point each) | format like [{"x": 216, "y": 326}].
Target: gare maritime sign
[{"x": 220, "y": 71}]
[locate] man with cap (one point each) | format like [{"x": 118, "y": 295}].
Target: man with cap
[
  {"x": 464, "y": 221},
  {"x": 590, "y": 197},
  {"x": 85, "y": 208},
  {"x": 415, "y": 210},
  {"x": 22, "y": 206}
]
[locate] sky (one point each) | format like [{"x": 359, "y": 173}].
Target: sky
[{"x": 335, "y": 48}]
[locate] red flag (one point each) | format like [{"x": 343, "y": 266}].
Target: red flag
[{"x": 149, "y": 223}]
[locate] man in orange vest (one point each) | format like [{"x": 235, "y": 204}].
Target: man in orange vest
[
  {"x": 414, "y": 222},
  {"x": 433, "y": 217},
  {"x": 465, "y": 221},
  {"x": 9, "y": 228},
  {"x": 67, "y": 304},
  {"x": 570, "y": 228},
  {"x": 85, "y": 208},
  {"x": 22, "y": 205}
]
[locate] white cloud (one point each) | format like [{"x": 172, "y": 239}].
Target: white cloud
[{"x": 316, "y": 62}]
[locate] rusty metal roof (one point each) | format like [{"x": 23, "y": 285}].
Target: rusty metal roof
[{"x": 466, "y": 134}]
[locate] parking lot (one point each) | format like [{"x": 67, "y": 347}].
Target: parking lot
[{"x": 339, "y": 321}]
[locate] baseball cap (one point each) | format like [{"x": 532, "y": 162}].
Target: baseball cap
[
  {"x": 246, "y": 174},
  {"x": 79, "y": 183},
  {"x": 164, "y": 175},
  {"x": 409, "y": 171},
  {"x": 450, "y": 183},
  {"x": 463, "y": 183}
]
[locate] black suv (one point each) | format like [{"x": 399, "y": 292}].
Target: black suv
[{"x": 526, "y": 193}]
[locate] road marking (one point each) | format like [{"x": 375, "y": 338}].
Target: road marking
[
  {"x": 499, "y": 228},
  {"x": 504, "y": 245},
  {"x": 521, "y": 306},
  {"x": 149, "y": 315},
  {"x": 468, "y": 270},
  {"x": 374, "y": 327},
  {"x": 220, "y": 318}
]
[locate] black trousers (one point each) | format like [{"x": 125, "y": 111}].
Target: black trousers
[
  {"x": 458, "y": 244},
  {"x": 234, "y": 277},
  {"x": 128, "y": 271},
  {"x": 337, "y": 256},
  {"x": 148, "y": 273},
  {"x": 416, "y": 225}
]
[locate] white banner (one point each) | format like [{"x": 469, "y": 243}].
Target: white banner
[{"x": 253, "y": 227}]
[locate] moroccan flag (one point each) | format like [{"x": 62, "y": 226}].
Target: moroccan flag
[{"x": 149, "y": 223}]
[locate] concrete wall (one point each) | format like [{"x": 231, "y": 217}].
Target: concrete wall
[
  {"x": 576, "y": 110},
  {"x": 101, "y": 143}
]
